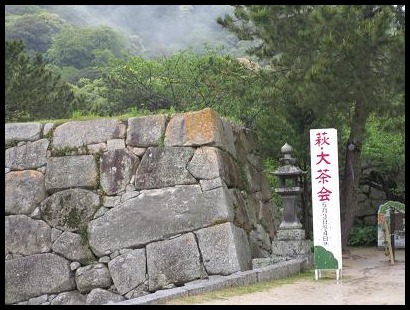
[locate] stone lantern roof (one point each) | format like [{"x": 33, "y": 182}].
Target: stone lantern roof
[{"x": 288, "y": 169}]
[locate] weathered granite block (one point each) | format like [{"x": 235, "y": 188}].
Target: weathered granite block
[
  {"x": 99, "y": 296},
  {"x": 34, "y": 275},
  {"x": 157, "y": 214},
  {"x": 92, "y": 276},
  {"x": 70, "y": 209},
  {"x": 73, "y": 247},
  {"x": 69, "y": 298},
  {"x": 225, "y": 249},
  {"x": 71, "y": 171},
  {"x": 146, "y": 131},
  {"x": 37, "y": 300},
  {"x": 173, "y": 261},
  {"x": 211, "y": 162},
  {"x": 22, "y": 132},
  {"x": 128, "y": 270},
  {"x": 203, "y": 127},
  {"x": 81, "y": 133},
  {"x": 116, "y": 170},
  {"x": 24, "y": 191},
  {"x": 163, "y": 167},
  {"x": 28, "y": 156},
  {"x": 26, "y": 236}
]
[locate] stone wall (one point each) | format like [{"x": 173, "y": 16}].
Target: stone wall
[{"x": 112, "y": 209}]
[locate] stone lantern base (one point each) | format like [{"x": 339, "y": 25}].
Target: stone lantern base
[
  {"x": 290, "y": 234},
  {"x": 291, "y": 244}
]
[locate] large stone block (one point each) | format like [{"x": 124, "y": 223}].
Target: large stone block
[
  {"x": 99, "y": 296},
  {"x": 116, "y": 170},
  {"x": 157, "y": 214},
  {"x": 91, "y": 277},
  {"x": 266, "y": 216},
  {"x": 69, "y": 298},
  {"x": 225, "y": 249},
  {"x": 261, "y": 245},
  {"x": 245, "y": 209},
  {"x": 173, "y": 261},
  {"x": 26, "y": 236},
  {"x": 146, "y": 131},
  {"x": 35, "y": 275},
  {"x": 81, "y": 133},
  {"x": 163, "y": 167},
  {"x": 31, "y": 155},
  {"x": 24, "y": 191},
  {"x": 73, "y": 247},
  {"x": 203, "y": 127},
  {"x": 246, "y": 140},
  {"x": 211, "y": 162},
  {"x": 69, "y": 209},
  {"x": 128, "y": 270},
  {"x": 71, "y": 171},
  {"x": 15, "y": 132}
]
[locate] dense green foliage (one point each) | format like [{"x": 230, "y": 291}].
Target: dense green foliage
[
  {"x": 383, "y": 156},
  {"x": 342, "y": 73},
  {"x": 32, "y": 91},
  {"x": 183, "y": 81},
  {"x": 35, "y": 29},
  {"x": 363, "y": 235},
  {"x": 82, "y": 47}
]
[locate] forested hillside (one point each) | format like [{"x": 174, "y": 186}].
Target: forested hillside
[
  {"x": 84, "y": 45},
  {"x": 149, "y": 30}
]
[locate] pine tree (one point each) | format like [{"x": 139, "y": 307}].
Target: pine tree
[
  {"x": 31, "y": 91},
  {"x": 342, "y": 62}
]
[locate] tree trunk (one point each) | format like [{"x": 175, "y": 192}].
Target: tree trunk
[{"x": 350, "y": 182}]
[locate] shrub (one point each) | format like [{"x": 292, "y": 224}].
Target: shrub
[{"x": 363, "y": 235}]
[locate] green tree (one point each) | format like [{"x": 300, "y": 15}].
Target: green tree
[
  {"x": 31, "y": 91},
  {"x": 84, "y": 47},
  {"x": 35, "y": 30},
  {"x": 342, "y": 63},
  {"x": 383, "y": 156},
  {"x": 186, "y": 81}
]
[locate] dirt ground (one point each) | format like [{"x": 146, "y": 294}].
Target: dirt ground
[{"x": 368, "y": 278}]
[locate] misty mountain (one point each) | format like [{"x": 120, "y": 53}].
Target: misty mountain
[{"x": 152, "y": 30}]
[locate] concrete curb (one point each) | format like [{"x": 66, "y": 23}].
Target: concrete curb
[{"x": 276, "y": 271}]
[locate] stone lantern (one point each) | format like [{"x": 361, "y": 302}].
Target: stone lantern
[
  {"x": 289, "y": 189},
  {"x": 290, "y": 239}
]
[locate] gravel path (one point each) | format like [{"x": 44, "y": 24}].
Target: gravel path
[{"x": 368, "y": 278}]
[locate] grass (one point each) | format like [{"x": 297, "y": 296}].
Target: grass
[
  {"x": 132, "y": 112},
  {"x": 242, "y": 290},
  {"x": 80, "y": 116}
]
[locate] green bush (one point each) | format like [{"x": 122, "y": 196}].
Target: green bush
[{"x": 363, "y": 235}]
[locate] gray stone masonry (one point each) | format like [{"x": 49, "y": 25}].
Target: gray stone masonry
[{"x": 116, "y": 210}]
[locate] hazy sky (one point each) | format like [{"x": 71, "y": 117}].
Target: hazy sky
[{"x": 159, "y": 25}]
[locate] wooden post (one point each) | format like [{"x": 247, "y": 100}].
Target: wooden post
[
  {"x": 387, "y": 237},
  {"x": 392, "y": 230}
]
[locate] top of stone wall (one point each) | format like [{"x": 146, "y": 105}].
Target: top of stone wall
[
  {"x": 17, "y": 132},
  {"x": 81, "y": 133},
  {"x": 203, "y": 127}
]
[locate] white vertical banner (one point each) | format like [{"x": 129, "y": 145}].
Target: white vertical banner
[{"x": 325, "y": 200}]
